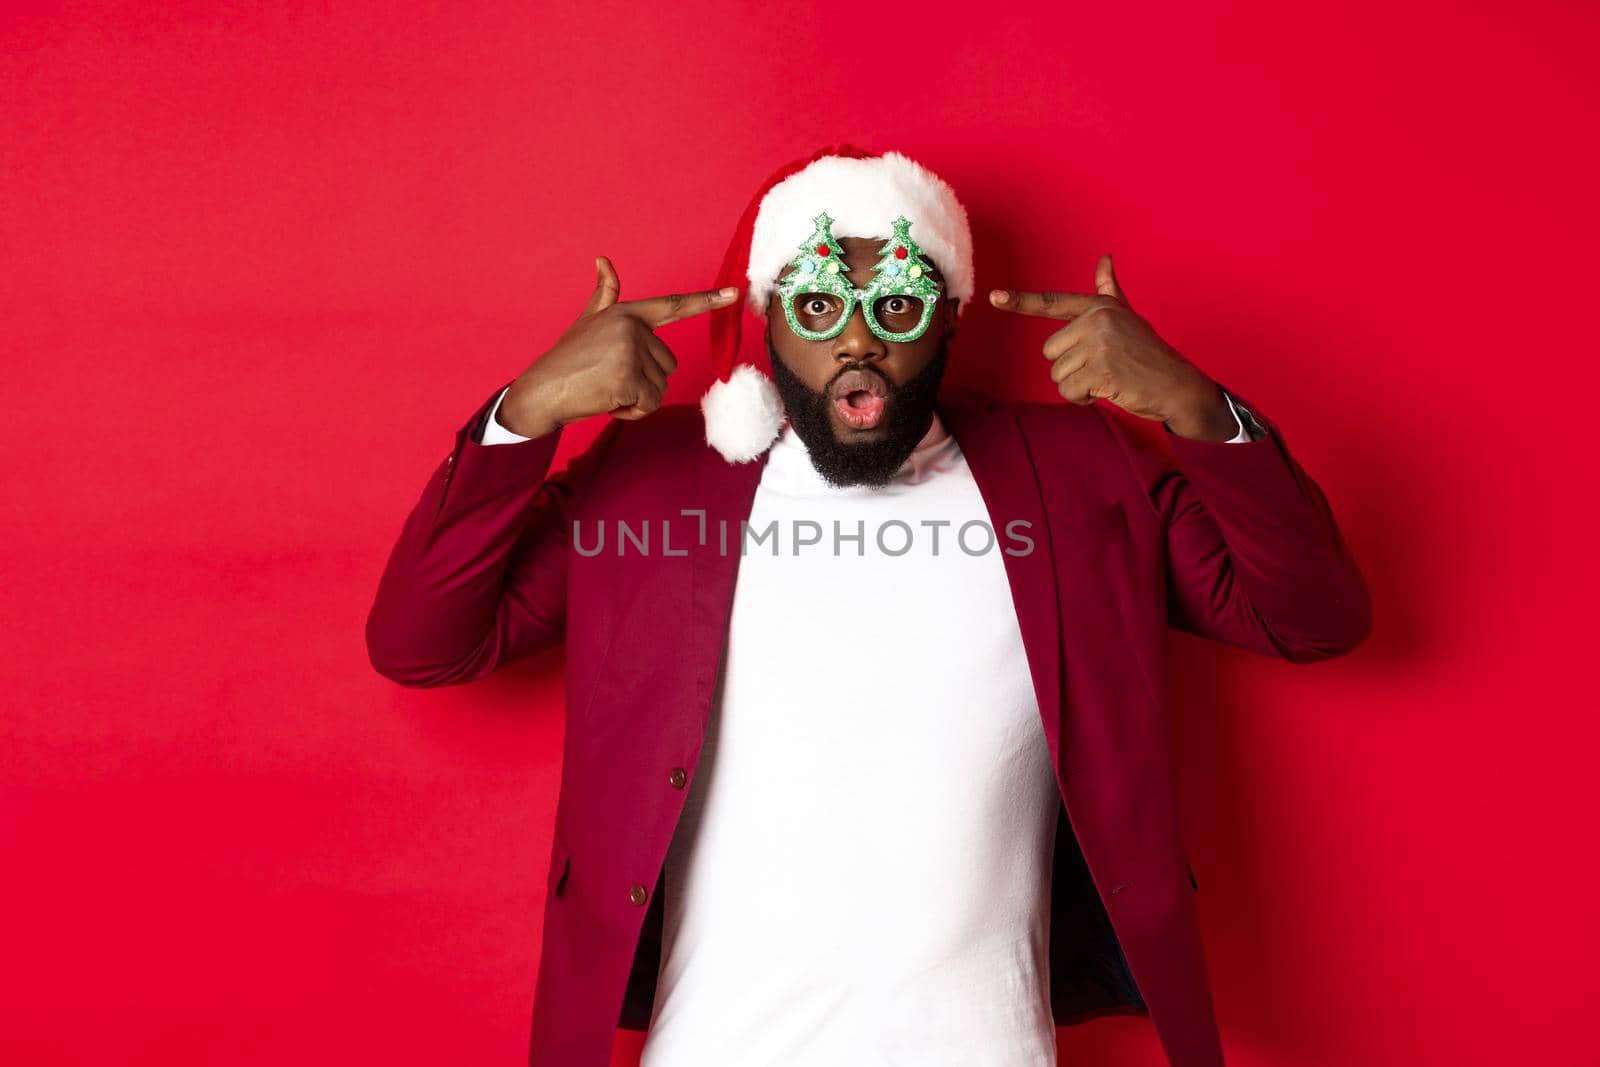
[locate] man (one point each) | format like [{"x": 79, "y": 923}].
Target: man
[{"x": 867, "y": 755}]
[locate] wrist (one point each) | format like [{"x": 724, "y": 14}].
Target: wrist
[
  {"x": 524, "y": 412},
  {"x": 1206, "y": 417}
]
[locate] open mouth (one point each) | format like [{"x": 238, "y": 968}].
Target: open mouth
[{"x": 860, "y": 397}]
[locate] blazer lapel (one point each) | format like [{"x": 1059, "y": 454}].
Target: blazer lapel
[{"x": 725, "y": 491}]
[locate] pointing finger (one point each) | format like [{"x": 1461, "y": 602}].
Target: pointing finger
[
  {"x": 660, "y": 310},
  {"x": 1047, "y": 305}
]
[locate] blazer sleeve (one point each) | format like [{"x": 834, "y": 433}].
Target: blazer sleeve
[
  {"x": 493, "y": 432},
  {"x": 1255, "y": 558},
  {"x": 478, "y": 575}
]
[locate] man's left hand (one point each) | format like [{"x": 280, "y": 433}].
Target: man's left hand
[{"x": 1108, "y": 351}]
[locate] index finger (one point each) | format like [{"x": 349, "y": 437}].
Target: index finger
[
  {"x": 660, "y": 310},
  {"x": 1049, "y": 305}
]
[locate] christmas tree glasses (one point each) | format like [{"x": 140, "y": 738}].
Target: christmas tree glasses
[{"x": 898, "y": 303}]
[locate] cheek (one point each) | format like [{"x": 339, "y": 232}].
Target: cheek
[
  {"x": 914, "y": 357},
  {"x": 812, "y": 364}
]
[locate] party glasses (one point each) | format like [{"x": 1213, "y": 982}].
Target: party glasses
[{"x": 898, "y": 303}]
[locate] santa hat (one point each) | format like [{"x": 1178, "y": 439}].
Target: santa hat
[{"x": 863, "y": 193}]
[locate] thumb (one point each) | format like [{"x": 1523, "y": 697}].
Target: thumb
[
  {"x": 607, "y": 287},
  {"x": 1105, "y": 279}
]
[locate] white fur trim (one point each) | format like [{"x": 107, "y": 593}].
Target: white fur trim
[
  {"x": 863, "y": 196},
  {"x": 743, "y": 414}
]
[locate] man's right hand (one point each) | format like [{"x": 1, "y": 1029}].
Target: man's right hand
[{"x": 608, "y": 361}]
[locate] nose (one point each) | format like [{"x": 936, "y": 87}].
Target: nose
[{"x": 857, "y": 343}]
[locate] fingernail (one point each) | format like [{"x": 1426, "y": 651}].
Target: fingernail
[
  {"x": 727, "y": 292},
  {"x": 999, "y": 296}
]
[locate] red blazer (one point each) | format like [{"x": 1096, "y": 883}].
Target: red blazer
[{"x": 1232, "y": 541}]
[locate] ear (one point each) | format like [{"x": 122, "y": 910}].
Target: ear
[{"x": 951, "y": 304}]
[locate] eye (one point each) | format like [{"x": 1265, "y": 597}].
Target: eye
[
  {"x": 817, "y": 305},
  {"x": 899, "y": 307}
]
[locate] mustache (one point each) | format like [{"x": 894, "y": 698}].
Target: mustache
[{"x": 863, "y": 368}]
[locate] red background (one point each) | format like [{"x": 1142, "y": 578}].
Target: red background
[{"x": 259, "y": 265}]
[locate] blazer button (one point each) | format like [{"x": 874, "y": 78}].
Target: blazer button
[
  {"x": 637, "y": 894},
  {"x": 677, "y": 777}
]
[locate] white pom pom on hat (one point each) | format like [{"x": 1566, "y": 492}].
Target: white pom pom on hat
[
  {"x": 743, "y": 414},
  {"x": 864, "y": 193}
]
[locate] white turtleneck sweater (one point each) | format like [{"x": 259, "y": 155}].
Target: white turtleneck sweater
[{"x": 861, "y": 873}]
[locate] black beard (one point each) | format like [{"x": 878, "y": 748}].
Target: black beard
[{"x": 874, "y": 463}]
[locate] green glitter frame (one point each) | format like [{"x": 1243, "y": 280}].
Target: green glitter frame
[{"x": 819, "y": 269}]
